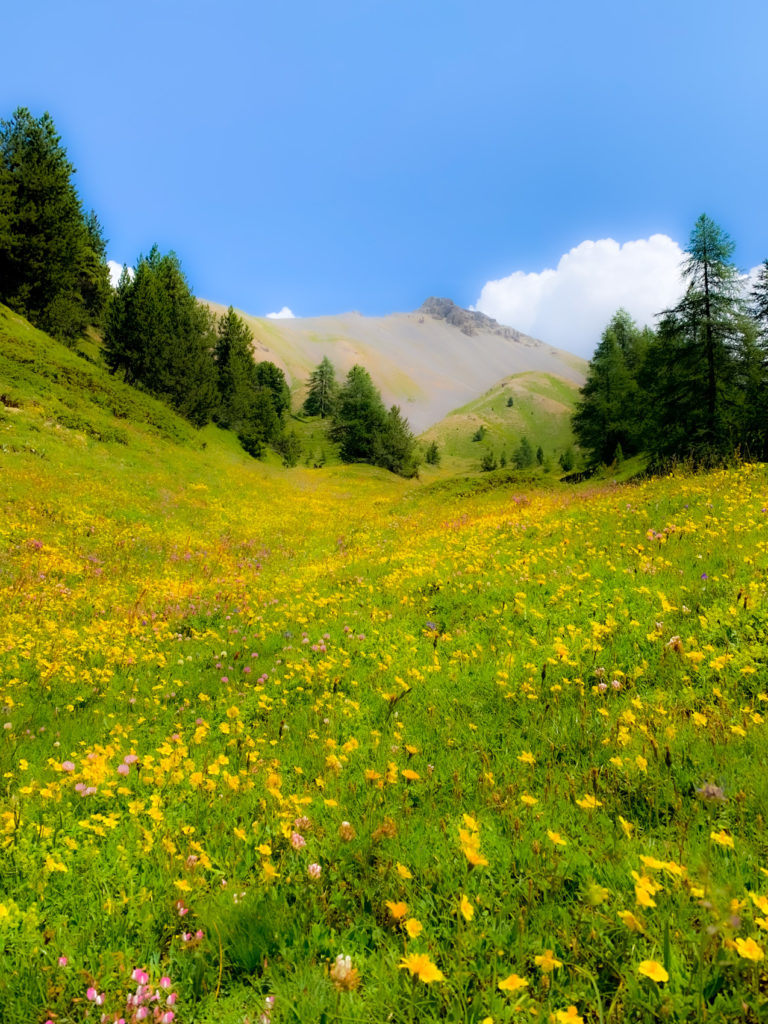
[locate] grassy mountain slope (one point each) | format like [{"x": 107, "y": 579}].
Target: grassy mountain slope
[
  {"x": 424, "y": 364},
  {"x": 541, "y": 411}
]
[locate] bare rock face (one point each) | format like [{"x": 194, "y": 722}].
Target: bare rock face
[{"x": 469, "y": 322}]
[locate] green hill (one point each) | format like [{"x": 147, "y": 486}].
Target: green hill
[{"x": 540, "y": 410}]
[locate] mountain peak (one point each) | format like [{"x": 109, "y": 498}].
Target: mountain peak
[{"x": 469, "y": 321}]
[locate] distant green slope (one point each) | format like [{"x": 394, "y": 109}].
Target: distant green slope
[{"x": 541, "y": 410}]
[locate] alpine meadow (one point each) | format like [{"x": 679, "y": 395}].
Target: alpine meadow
[{"x": 311, "y": 718}]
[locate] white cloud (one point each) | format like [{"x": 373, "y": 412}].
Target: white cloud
[
  {"x": 570, "y": 306},
  {"x": 284, "y": 314},
  {"x": 115, "y": 270}
]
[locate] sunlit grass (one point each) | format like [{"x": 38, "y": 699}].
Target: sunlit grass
[{"x": 504, "y": 751}]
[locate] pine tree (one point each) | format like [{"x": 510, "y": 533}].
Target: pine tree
[
  {"x": 395, "y": 446},
  {"x": 432, "y": 454},
  {"x": 236, "y": 370},
  {"x": 608, "y": 411},
  {"x": 692, "y": 370},
  {"x": 759, "y": 300},
  {"x": 322, "y": 390},
  {"x": 523, "y": 456},
  {"x": 359, "y": 417},
  {"x": 272, "y": 378},
  {"x": 52, "y": 259},
  {"x": 159, "y": 337}
]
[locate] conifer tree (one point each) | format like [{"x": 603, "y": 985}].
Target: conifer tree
[
  {"x": 609, "y": 410},
  {"x": 692, "y": 371},
  {"x": 359, "y": 416},
  {"x": 52, "y": 259},
  {"x": 395, "y": 446},
  {"x": 159, "y": 337},
  {"x": 322, "y": 390},
  {"x": 236, "y": 369},
  {"x": 523, "y": 456}
]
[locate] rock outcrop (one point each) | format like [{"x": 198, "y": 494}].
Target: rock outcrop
[{"x": 469, "y": 322}]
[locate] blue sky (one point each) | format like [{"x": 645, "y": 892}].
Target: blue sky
[{"x": 366, "y": 154}]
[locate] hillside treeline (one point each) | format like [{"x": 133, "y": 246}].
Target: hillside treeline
[
  {"x": 696, "y": 388},
  {"x": 157, "y": 336}
]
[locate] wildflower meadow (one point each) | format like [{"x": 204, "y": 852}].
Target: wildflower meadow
[{"x": 330, "y": 746}]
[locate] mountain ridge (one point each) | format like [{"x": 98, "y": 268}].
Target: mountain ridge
[{"x": 430, "y": 361}]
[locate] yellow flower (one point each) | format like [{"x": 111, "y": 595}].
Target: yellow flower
[
  {"x": 643, "y": 897},
  {"x": 410, "y": 774},
  {"x": 569, "y": 1016},
  {"x": 652, "y": 862},
  {"x": 466, "y": 908},
  {"x": 556, "y": 838},
  {"x": 749, "y": 949},
  {"x": 722, "y": 838},
  {"x": 528, "y": 800},
  {"x": 653, "y": 970},
  {"x": 265, "y": 849},
  {"x": 473, "y": 855},
  {"x": 513, "y": 983},
  {"x": 627, "y": 826},
  {"x": 397, "y": 910},
  {"x": 633, "y": 923},
  {"x": 270, "y": 872},
  {"x": 403, "y": 871},
  {"x": 526, "y": 757},
  {"x": 422, "y": 967},
  {"x": 547, "y": 961},
  {"x": 589, "y": 802},
  {"x": 471, "y": 824},
  {"x": 414, "y": 928}
]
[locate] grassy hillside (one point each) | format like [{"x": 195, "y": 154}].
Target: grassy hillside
[
  {"x": 541, "y": 411},
  {"x": 503, "y": 750}
]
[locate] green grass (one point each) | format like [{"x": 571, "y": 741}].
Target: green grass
[
  {"x": 542, "y": 408},
  {"x": 201, "y": 651}
]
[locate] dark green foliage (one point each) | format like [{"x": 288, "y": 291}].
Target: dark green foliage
[
  {"x": 697, "y": 390},
  {"x": 236, "y": 370},
  {"x": 523, "y": 456},
  {"x": 395, "y": 446},
  {"x": 253, "y": 398},
  {"x": 609, "y": 412},
  {"x": 158, "y": 336},
  {"x": 479, "y": 434},
  {"x": 703, "y": 328},
  {"x": 359, "y": 417},
  {"x": 52, "y": 256},
  {"x": 322, "y": 390},
  {"x": 488, "y": 462},
  {"x": 510, "y": 402},
  {"x": 703, "y": 350},
  {"x": 288, "y": 446},
  {"x": 567, "y": 460},
  {"x": 272, "y": 379},
  {"x": 759, "y": 297},
  {"x": 432, "y": 454},
  {"x": 540, "y": 456},
  {"x": 366, "y": 432},
  {"x": 503, "y": 460}
]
